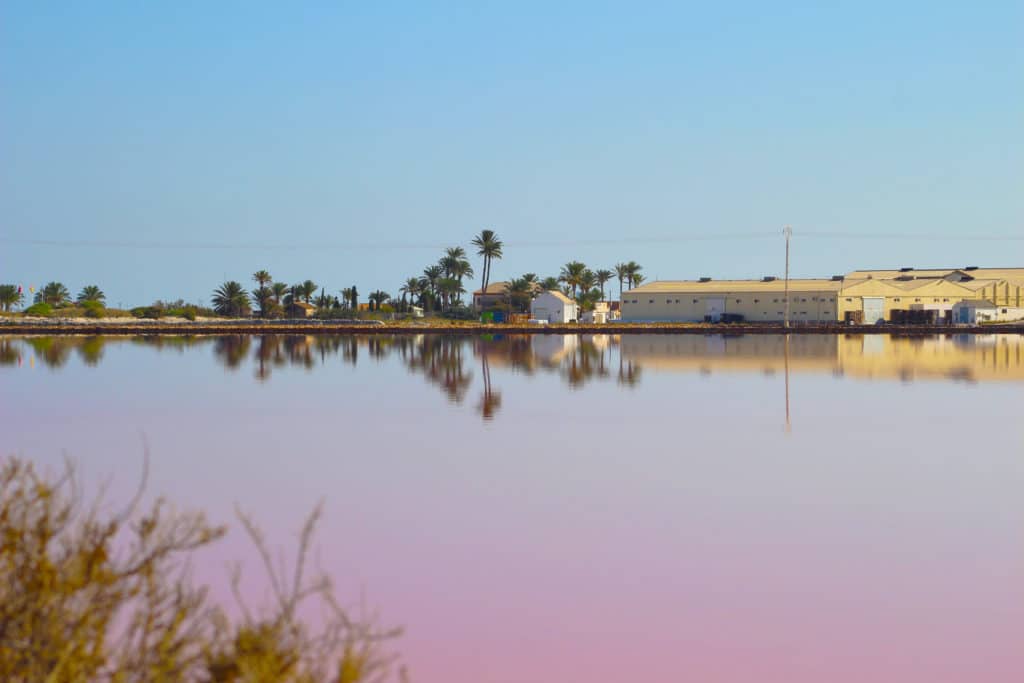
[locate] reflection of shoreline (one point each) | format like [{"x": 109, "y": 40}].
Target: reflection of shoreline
[
  {"x": 952, "y": 357},
  {"x": 578, "y": 359}
]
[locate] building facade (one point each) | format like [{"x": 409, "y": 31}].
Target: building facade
[
  {"x": 554, "y": 307},
  {"x": 863, "y": 296}
]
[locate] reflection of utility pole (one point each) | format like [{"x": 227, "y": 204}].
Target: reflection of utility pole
[
  {"x": 786, "y": 355},
  {"x": 788, "y": 232}
]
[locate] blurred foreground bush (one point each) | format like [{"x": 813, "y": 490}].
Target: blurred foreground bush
[{"x": 92, "y": 596}]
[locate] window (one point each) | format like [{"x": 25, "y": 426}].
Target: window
[
  {"x": 918, "y": 300},
  {"x": 803, "y": 301},
  {"x": 946, "y": 300},
  {"x": 848, "y": 299},
  {"x": 897, "y": 299},
  {"x": 935, "y": 300},
  {"x": 1004, "y": 310},
  {"x": 668, "y": 301},
  {"x": 694, "y": 301},
  {"x": 831, "y": 300},
  {"x": 757, "y": 301},
  {"x": 650, "y": 301},
  {"x": 677, "y": 300},
  {"x": 738, "y": 301},
  {"x": 825, "y": 313}
]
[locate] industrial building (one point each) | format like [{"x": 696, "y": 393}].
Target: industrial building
[{"x": 862, "y": 296}]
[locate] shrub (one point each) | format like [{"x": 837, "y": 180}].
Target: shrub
[
  {"x": 147, "y": 312},
  {"x": 41, "y": 309},
  {"x": 94, "y": 312},
  {"x": 189, "y": 313}
]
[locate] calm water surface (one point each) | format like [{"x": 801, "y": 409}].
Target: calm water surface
[{"x": 604, "y": 508}]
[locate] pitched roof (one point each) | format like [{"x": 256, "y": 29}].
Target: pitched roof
[
  {"x": 725, "y": 286},
  {"x": 498, "y": 288},
  {"x": 558, "y": 295}
]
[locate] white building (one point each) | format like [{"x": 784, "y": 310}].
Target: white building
[
  {"x": 600, "y": 315},
  {"x": 554, "y": 307},
  {"x": 974, "y": 311}
]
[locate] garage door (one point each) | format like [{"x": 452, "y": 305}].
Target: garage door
[{"x": 874, "y": 309}]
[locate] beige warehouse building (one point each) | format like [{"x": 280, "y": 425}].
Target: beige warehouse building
[{"x": 861, "y": 296}]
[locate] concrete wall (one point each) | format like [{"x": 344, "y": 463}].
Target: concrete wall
[{"x": 763, "y": 306}]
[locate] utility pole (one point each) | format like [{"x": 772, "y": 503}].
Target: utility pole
[{"x": 788, "y": 232}]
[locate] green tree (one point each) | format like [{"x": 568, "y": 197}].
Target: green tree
[
  {"x": 431, "y": 276},
  {"x": 622, "y": 273},
  {"x": 603, "y": 277},
  {"x": 378, "y": 298},
  {"x": 264, "y": 299},
  {"x": 633, "y": 272},
  {"x": 518, "y": 292},
  {"x": 411, "y": 288},
  {"x": 262, "y": 278},
  {"x": 10, "y": 296},
  {"x": 279, "y": 290},
  {"x": 230, "y": 299},
  {"x": 91, "y": 293},
  {"x": 549, "y": 284},
  {"x": 489, "y": 246},
  {"x": 54, "y": 293},
  {"x": 571, "y": 274},
  {"x": 449, "y": 288},
  {"x": 307, "y": 289}
]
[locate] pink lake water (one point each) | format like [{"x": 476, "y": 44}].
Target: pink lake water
[{"x": 598, "y": 508}]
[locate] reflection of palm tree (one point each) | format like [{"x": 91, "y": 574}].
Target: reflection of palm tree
[
  {"x": 490, "y": 401},
  {"x": 9, "y": 353},
  {"x": 91, "y": 350},
  {"x": 52, "y": 351},
  {"x": 232, "y": 349}
]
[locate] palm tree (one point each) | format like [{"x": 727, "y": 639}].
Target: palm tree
[
  {"x": 54, "y": 293},
  {"x": 264, "y": 298},
  {"x": 518, "y": 292},
  {"x": 307, "y": 289},
  {"x": 571, "y": 274},
  {"x": 10, "y": 296},
  {"x": 603, "y": 276},
  {"x": 621, "y": 272},
  {"x": 460, "y": 270},
  {"x": 279, "y": 290},
  {"x": 91, "y": 293},
  {"x": 633, "y": 271},
  {"x": 411, "y": 288},
  {"x": 230, "y": 299},
  {"x": 323, "y": 301},
  {"x": 262, "y": 278},
  {"x": 449, "y": 288},
  {"x": 550, "y": 284},
  {"x": 431, "y": 276},
  {"x": 489, "y": 246},
  {"x": 379, "y": 298}
]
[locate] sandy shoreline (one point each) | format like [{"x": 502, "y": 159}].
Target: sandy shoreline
[{"x": 181, "y": 326}]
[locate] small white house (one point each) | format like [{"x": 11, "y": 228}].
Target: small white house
[
  {"x": 974, "y": 311},
  {"x": 598, "y": 316},
  {"x": 554, "y": 307}
]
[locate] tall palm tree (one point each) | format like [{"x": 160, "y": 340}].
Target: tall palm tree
[
  {"x": 633, "y": 270},
  {"x": 230, "y": 299},
  {"x": 307, "y": 289},
  {"x": 431, "y": 276},
  {"x": 449, "y": 288},
  {"x": 264, "y": 298},
  {"x": 411, "y": 288},
  {"x": 603, "y": 276},
  {"x": 462, "y": 269},
  {"x": 91, "y": 293},
  {"x": 346, "y": 296},
  {"x": 489, "y": 246},
  {"x": 10, "y": 296},
  {"x": 588, "y": 280},
  {"x": 279, "y": 290},
  {"x": 54, "y": 293},
  {"x": 550, "y": 284},
  {"x": 621, "y": 272},
  {"x": 262, "y": 278},
  {"x": 571, "y": 274}
]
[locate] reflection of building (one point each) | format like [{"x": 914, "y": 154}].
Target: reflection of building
[
  {"x": 861, "y": 296},
  {"x": 968, "y": 357},
  {"x": 552, "y": 348}
]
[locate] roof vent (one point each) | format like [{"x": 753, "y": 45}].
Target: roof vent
[
  {"x": 905, "y": 270},
  {"x": 705, "y": 279},
  {"x": 769, "y": 278},
  {"x": 971, "y": 268},
  {"x": 838, "y": 278}
]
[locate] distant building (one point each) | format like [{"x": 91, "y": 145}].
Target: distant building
[
  {"x": 300, "y": 309},
  {"x": 495, "y": 296},
  {"x": 977, "y": 311},
  {"x": 554, "y": 307},
  {"x": 599, "y": 315},
  {"x": 863, "y": 296}
]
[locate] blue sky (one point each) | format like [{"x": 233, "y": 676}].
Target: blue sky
[{"x": 348, "y": 142}]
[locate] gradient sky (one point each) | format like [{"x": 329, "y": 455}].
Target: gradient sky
[{"x": 300, "y": 131}]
